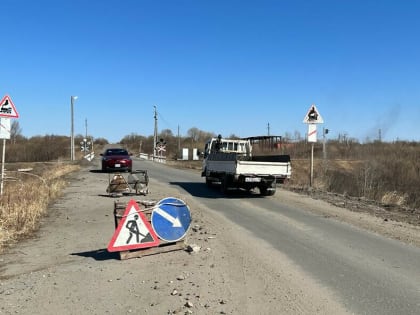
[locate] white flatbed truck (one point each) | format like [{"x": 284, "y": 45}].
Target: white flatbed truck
[{"x": 230, "y": 163}]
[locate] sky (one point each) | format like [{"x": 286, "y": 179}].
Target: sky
[{"x": 241, "y": 67}]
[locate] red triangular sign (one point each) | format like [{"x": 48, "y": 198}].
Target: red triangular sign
[
  {"x": 7, "y": 108},
  {"x": 133, "y": 231}
]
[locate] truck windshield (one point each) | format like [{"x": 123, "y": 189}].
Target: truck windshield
[{"x": 228, "y": 146}]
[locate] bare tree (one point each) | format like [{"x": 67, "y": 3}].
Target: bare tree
[
  {"x": 287, "y": 136},
  {"x": 166, "y": 134},
  {"x": 15, "y": 131},
  {"x": 194, "y": 134}
]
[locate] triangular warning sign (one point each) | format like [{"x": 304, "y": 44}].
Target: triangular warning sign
[
  {"x": 313, "y": 116},
  {"x": 133, "y": 231},
  {"x": 7, "y": 108}
]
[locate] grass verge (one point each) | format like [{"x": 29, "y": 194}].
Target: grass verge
[{"x": 26, "y": 197}]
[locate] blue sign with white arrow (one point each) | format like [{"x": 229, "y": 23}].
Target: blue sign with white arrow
[{"x": 171, "y": 219}]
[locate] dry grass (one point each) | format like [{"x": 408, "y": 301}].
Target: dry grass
[{"x": 26, "y": 198}]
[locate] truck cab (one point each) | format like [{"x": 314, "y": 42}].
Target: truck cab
[{"x": 242, "y": 147}]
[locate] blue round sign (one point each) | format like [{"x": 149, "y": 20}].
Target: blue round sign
[{"x": 171, "y": 219}]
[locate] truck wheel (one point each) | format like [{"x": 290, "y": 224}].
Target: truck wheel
[
  {"x": 224, "y": 185},
  {"x": 263, "y": 190},
  {"x": 208, "y": 182},
  {"x": 271, "y": 192},
  {"x": 267, "y": 190}
]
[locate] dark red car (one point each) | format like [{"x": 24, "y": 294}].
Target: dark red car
[{"x": 116, "y": 159}]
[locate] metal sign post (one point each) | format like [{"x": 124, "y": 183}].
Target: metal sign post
[
  {"x": 2, "y": 167},
  {"x": 4, "y": 134},
  {"x": 312, "y": 118},
  {"x": 311, "y": 180},
  {"x": 7, "y": 111},
  {"x": 312, "y": 137}
]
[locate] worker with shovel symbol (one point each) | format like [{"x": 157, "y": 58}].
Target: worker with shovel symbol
[{"x": 133, "y": 227}]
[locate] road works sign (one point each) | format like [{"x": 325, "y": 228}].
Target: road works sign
[
  {"x": 313, "y": 116},
  {"x": 134, "y": 231},
  {"x": 171, "y": 219},
  {"x": 7, "y": 109}
]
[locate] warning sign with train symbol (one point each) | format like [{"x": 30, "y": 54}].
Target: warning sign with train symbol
[
  {"x": 7, "y": 108},
  {"x": 313, "y": 116}
]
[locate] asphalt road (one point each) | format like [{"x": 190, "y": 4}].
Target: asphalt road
[{"x": 369, "y": 273}]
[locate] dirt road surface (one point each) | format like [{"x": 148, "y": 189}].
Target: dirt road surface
[{"x": 66, "y": 268}]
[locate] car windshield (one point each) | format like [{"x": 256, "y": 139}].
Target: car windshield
[{"x": 116, "y": 152}]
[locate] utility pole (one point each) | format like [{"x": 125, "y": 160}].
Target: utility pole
[
  {"x": 72, "y": 99},
  {"x": 155, "y": 134},
  {"x": 179, "y": 143},
  {"x": 268, "y": 129},
  {"x": 324, "y": 143}
]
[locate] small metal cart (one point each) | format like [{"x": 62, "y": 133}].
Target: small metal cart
[{"x": 136, "y": 183}]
